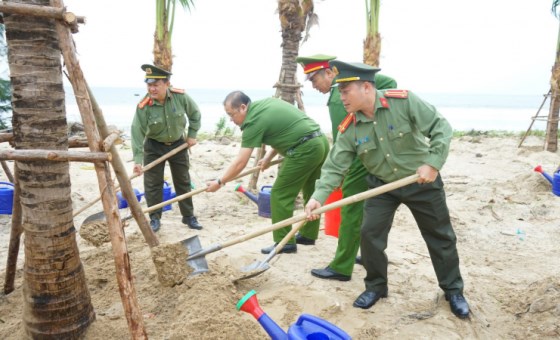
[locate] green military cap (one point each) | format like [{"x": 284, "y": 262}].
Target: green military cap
[
  {"x": 353, "y": 71},
  {"x": 314, "y": 63},
  {"x": 153, "y": 73}
]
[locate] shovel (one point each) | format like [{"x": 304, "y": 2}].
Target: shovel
[
  {"x": 196, "y": 252},
  {"x": 258, "y": 267},
  {"x": 100, "y": 216}
]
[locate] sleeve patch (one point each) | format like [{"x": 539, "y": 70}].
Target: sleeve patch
[{"x": 396, "y": 94}]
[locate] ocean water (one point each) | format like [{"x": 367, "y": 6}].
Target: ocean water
[{"x": 464, "y": 112}]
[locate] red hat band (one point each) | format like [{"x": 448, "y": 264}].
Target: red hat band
[{"x": 311, "y": 67}]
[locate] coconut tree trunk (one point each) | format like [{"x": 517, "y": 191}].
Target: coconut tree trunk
[
  {"x": 56, "y": 300},
  {"x": 372, "y": 42},
  {"x": 293, "y": 17}
]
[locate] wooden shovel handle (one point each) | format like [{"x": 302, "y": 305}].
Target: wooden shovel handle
[
  {"x": 133, "y": 176},
  {"x": 256, "y": 168},
  {"x": 348, "y": 200},
  {"x": 198, "y": 191},
  {"x": 288, "y": 236}
]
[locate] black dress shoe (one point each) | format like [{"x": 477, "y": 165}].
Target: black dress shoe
[
  {"x": 155, "y": 224},
  {"x": 192, "y": 222},
  {"x": 369, "y": 298},
  {"x": 304, "y": 240},
  {"x": 289, "y": 248},
  {"x": 329, "y": 274},
  {"x": 359, "y": 260},
  {"x": 458, "y": 304}
]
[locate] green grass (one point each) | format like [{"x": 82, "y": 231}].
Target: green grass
[{"x": 498, "y": 133}]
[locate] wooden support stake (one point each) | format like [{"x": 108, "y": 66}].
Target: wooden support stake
[
  {"x": 7, "y": 171},
  {"x": 55, "y": 155},
  {"x": 73, "y": 142},
  {"x": 112, "y": 137},
  {"x": 15, "y": 233},
  {"x": 43, "y": 12},
  {"x": 124, "y": 275}
]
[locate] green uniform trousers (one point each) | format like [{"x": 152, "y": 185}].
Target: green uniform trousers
[
  {"x": 428, "y": 206},
  {"x": 153, "y": 178},
  {"x": 298, "y": 172},
  {"x": 350, "y": 220}
]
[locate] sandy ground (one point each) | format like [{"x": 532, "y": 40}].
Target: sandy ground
[{"x": 504, "y": 214}]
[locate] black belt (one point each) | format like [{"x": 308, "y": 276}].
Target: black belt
[
  {"x": 303, "y": 140},
  {"x": 166, "y": 143}
]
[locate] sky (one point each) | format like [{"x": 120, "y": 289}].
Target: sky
[{"x": 430, "y": 46}]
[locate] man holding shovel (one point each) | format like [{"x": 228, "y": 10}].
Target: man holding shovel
[
  {"x": 388, "y": 131},
  {"x": 320, "y": 74},
  {"x": 159, "y": 126},
  {"x": 290, "y": 133}
]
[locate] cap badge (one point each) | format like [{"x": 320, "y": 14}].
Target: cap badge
[{"x": 148, "y": 70}]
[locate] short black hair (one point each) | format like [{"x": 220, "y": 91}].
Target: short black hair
[{"x": 236, "y": 98}]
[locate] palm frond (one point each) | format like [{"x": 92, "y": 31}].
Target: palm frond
[
  {"x": 187, "y": 4},
  {"x": 554, "y": 8}
]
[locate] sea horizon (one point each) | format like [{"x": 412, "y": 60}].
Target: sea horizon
[{"x": 465, "y": 112}]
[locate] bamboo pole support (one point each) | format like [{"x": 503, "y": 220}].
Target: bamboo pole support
[
  {"x": 112, "y": 137},
  {"x": 73, "y": 142},
  {"x": 122, "y": 177},
  {"x": 55, "y": 155},
  {"x": 255, "y": 177},
  {"x": 44, "y": 12},
  {"x": 15, "y": 234},
  {"x": 124, "y": 276},
  {"x": 7, "y": 171},
  {"x": 6, "y": 137}
]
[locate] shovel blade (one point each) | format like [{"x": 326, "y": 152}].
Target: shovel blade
[
  {"x": 95, "y": 218},
  {"x": 199, "y": 264}
]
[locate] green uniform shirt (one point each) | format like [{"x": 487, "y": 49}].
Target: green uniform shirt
[
  {"x": 164, "y": 123},
  {"x": 336, "y": 108},
  {"x": 392, "y": 145},
  {"x": 275, "y": 122}
]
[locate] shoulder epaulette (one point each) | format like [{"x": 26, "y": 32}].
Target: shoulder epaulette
[
  {"x": 176, "y": 90},
  {"x": 145, "y": 101},
  {"x": 345, "y": 123},
  {"x": 396, "y": 93}
]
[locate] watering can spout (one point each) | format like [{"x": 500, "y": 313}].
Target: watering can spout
[
  {"x": 249, "y": 194},
  {"x": 539, "y": 168}
]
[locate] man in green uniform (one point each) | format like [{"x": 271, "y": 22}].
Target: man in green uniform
[
  {"x": 320, "y": 74},
  {"x": 290, "y": 133},
  {"x": 159, "y": 126},
  {"x": 388, "y": 131}
]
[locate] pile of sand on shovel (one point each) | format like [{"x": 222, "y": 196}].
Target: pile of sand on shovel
[
  {"x": 171, "y": 265},
  {"x": 96, "y": 232}
]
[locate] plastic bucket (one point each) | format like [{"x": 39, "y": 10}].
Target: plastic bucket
[
  {"x": 263, "y": 201},
  {"x": 123, "y": 203},
  {"x": 167, "y": 195},
  {"x": 6, "y": 198},
  {"x": 332, "y": 217}
]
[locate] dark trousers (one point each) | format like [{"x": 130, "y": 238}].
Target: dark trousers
[
  {"x": 153, "y": 178},
  {"x": 428, "y": 206}
]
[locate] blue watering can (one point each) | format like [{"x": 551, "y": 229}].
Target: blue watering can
[
  {"x": 554, "y": 180},
  {"x": 307, "y": 327},
  {"x": 262, "y": 200}
]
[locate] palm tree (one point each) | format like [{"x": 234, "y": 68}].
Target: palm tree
[
  {"x": 5, "y": 88},
  {"x": 552, "y": 124},
  {"x": 372, "y": 43},
  {"x": 165, "y": 18},
  {"x": 296, "y": 16},
  {"x": 57, "y": 303}
]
